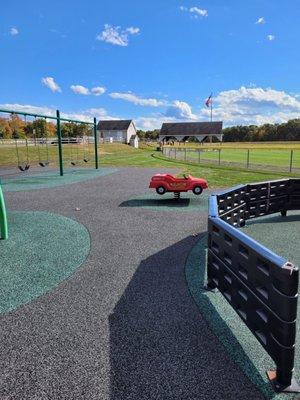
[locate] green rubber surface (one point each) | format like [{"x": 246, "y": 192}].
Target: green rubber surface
[
  {"x": 240, "y": 343},
  {"x": 43, "y": 249},
  {"x": 188, "y": 202},
  {"x": 51, "y": 179},
  {"x": 279, "y": 234}
]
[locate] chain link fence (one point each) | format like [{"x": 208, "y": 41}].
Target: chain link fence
[{"x": 282, "y": 160}]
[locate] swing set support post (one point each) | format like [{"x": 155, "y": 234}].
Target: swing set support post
[
  {"x": 3, "y": 218},
  {"x": 60, "y": 155},
  {"x": 96, "y": 144}
]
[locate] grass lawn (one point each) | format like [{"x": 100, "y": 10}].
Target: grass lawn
[
  {"x": 120, "y": 155},
  {"x": 275, "y": 157},
  {"x": 116, "y": 155}
]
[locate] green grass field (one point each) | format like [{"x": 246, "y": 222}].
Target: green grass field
[
  {"x": 277, "y": 158},
  {"x": 120, "y": 155}
]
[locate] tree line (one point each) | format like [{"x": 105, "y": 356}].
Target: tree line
[
  {"x": 289, "y": 131},
  {"x": 17, "y": 128}
]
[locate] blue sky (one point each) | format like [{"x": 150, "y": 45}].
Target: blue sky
[{"x": 153, "y": 61}]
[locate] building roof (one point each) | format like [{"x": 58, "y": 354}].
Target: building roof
[
  {"x": 191, "y": 128},
  {"x": 114, "y": 125}
]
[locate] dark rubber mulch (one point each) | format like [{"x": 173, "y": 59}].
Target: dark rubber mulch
[{"x": 124, "y": 325}]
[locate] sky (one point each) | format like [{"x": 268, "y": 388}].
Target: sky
[{"x": 152, "y": 61}]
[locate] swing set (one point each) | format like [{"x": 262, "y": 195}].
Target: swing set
[
  {"x": 39, "y": 142},
  {"x": 74, "y": 145}
]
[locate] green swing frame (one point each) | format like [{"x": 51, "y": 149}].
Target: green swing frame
[
  {"x": 3, "y": 217},
  {"x": 58, "y": 120}
]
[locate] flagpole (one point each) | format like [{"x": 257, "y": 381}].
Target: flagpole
[{"x": 211, "y": 108}]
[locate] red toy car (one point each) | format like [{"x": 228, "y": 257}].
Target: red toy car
[{"x": 169, "y": 183}]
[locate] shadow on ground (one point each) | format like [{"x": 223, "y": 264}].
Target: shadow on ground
[
  {"x": 187, "y": 202},
  {"x": 174, "y": 203},
  {"x": 160, "y": 345}
]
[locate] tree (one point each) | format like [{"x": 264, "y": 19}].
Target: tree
[
  {"x": 5, "y": 129},
  {"x": 17, "y": 126}
]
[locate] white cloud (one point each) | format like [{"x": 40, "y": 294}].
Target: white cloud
[
  {"x": 116, "y": 35},
  {"x": 195, "y": 11},
  {"x": 132, "y": 30},
  {"x": 13, "y": 31},
  {"x": 271, "y": 37},
  {"x": 98, "y": 90},
  {"x": 51, "y": 84},
  {"x": 199, "y": 11},
  {"x": 180, "y": 110},
  {"x": 83, "y": 115},
  {"x": 44, "y": 110},
  {"x": 243, "y": 106},
  {"x": 260, "y": 20},
  {"x": 79, "y": 89},
  {"x": 177, "y": 111},
  {"x": 258, "y": 95},
  {"x": 133, "y": 98},
  {"x": 246, "y": 106}
]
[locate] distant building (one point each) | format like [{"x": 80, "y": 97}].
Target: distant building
[
  {"x": 116, "y": 130},
  {"x": 182, "y": 131},
  {"x": 134, "y": 141}
]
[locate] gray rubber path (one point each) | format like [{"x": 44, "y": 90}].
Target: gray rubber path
[{"x": 124, "y": 326}]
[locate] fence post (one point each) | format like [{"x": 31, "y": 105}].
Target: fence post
[
  {"x": 96, "y": 144},
  {"x": 291, "y": 160},
  {"x": 199, "y": 156},
  {"x": 248, "y": 158},
  {"x": 185, "y": 154},
  {"x": 60, "y": 155},
  {"x": 219, "y": 156}
]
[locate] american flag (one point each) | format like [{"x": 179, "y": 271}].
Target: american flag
[{"x": 209, "y": 100}]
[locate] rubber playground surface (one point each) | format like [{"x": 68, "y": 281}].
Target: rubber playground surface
[
  {"x": 102, "y": 295},
  {"x": 50, "y": 179}
]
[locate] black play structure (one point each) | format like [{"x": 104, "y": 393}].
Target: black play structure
[{"x": 261, "y": 286}]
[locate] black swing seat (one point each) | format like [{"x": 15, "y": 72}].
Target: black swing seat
[
  {"x": 73, "y": 163},
  {"x": 24, "y": 168},
  {"x": 44, "y": 164},
  {"x": 86, "y": 160}
]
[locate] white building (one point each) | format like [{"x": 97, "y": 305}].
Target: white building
[
  {"x": 116, "y": 130},
  {"x": 134, "y": 141}
]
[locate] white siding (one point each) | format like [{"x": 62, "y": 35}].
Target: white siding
[
  {"x": 131, "y": 131},
  {"x": 117, "y": 136}
]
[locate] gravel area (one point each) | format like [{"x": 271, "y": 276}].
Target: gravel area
[{"x": 124, "y": 325}]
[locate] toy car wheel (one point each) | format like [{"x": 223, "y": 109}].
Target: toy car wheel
[
  {"x": 160, "y": 190},
  {"x": 197, "y": 190}
]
